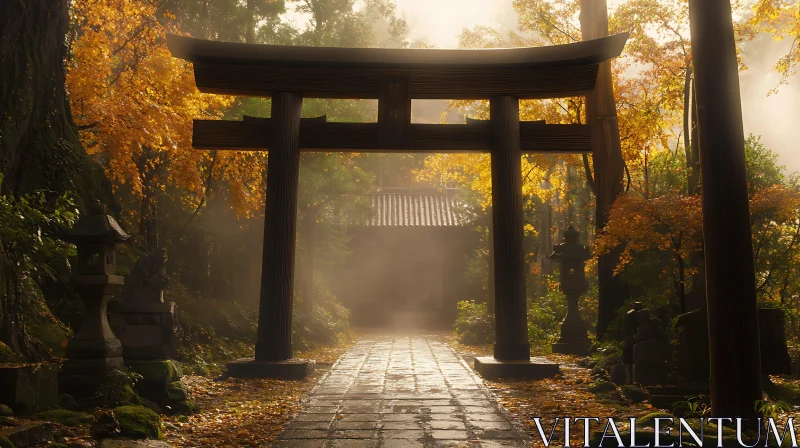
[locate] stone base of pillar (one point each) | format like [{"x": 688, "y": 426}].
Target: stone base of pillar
[
  {"x": 290, "y": 369},
  {"x": 82, "y": 378},
  {"x": 534, "y": 368},
  {"x": 578, "y": 347}
]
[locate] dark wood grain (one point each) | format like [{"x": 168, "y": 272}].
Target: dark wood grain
[
  {"x": 338, "y": 82},
  {"x": 394, "y": 111},
  {"x": 511, "y": 314},
  {"x": 316, "y": 135},
  {"x": 274, "y": 341},
  {"x": 735, "y": 357}
]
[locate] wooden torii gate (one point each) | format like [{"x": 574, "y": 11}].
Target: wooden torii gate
[{"x": 394, "y": 77}]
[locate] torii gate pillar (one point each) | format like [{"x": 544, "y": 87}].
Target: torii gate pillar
[
  {"x": 512, "y": 352},
  {"x": 511, "y": 309},
  {"x": 273, "y": 357}
]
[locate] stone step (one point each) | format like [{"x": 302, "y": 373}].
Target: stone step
[{"x": 29, "y": 434}]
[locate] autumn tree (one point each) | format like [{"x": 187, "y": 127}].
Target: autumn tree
[{"x": 781, "y": 19}]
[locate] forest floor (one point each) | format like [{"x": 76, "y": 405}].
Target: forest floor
[
  {"x": 244, "y": 412},
  {"x": 564, "y": 395}
]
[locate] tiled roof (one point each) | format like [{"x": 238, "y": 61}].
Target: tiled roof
[{"x": 416, "y": 209}]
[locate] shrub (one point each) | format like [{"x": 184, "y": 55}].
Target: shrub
[
  {"x": 474, "y": 325},
  {"x": 329, "y": 322}
]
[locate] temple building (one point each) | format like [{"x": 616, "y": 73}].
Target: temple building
[{"x": 408, "y": 259}]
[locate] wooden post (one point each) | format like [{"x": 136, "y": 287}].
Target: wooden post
[
  {"x": 609, "y": 166},
  {"x": 490, "y": 281},
  {"x": 277, "y": 269},
  {"x": 511, "y": 326},
  {"x": 730, "y": 275}
]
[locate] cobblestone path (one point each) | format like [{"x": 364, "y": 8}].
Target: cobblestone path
[{"x": 401, "y": 392}]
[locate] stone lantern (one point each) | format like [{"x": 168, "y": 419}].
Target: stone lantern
[
  {"x": 572, "y": 256},
  {"x": 93, "y": 353}
]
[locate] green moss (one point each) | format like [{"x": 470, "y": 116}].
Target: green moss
[
  {"x": 5, "y": 443},
  {"x": 162, "y": 372},
  {"x": 138, "y": 422},
  {"x": 50, "y": 332},
  {"x": 602, "y": 386},
  {"x": 634, "y": 393},
  {"x": 649, "y": 419},
  {"x": 65, "y": 417},
  {"x": 116, "y": 391}
]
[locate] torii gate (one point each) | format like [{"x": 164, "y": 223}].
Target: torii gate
[{"x": 394, "y": 77}]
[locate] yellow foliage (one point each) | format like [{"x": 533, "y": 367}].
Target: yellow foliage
[{"x": 134, "y": 105}]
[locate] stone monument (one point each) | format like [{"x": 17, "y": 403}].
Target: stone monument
[
  {"x": 147, "y": 328},
  {"x": 647, "y": 353},
  {"x": 94, "y": 353},
  {"x": 572, "y": 256}
]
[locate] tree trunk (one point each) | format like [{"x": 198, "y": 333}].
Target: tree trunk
[
  {"x": 39, "y": 146},
  {"x": 728, "y": 248},
  {"x": 687, "y": 144},
  {"x": 609, "y": 166},
  {"x": 694, "y": 168},
  {"x": 250, "y": 32}
]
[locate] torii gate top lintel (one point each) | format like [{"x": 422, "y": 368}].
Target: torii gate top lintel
[{"x": 328, "y": 72}]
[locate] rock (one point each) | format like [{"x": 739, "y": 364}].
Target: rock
[
  {"x": 176, "y": 392},
  {"x": 106, "y": 425},
  {"x": 152, "y": 405},
  {"x": 64, "y": 417},
  {"x": 82, "y": 443},
  {"x": 29, "y": 434},
  {"x": 67, "y": 401},
  {"x": 138, "y": 422},
  {"x": 587, "y": 362},
  {"x": 6, "y": 411},
  {"x": 634, "y": 393},
  {"x": 602, "y": 386},
  {"x": 184, "y": 407},
  {"x": 29, "y": 388}
]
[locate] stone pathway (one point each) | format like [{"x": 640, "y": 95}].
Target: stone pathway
[{"x": 401, "y": 392}]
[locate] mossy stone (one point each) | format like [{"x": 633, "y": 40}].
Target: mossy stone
[
  {"x": 650, "y": 418},
  {"x": 138, "y": 422},
  {"x": 602, "y": 386},
  {"x": 634, "y": 393},
  {"x": 64, "y": 417},
  {"x": 162, "y": 372},
  {"x": 176, "y": 392}
]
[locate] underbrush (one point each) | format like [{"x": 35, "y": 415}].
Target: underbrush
[
  {"x": 475, "y": 326},
  {"x": 33, "y": 261},
  {"x": 215, "y": 332}
]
